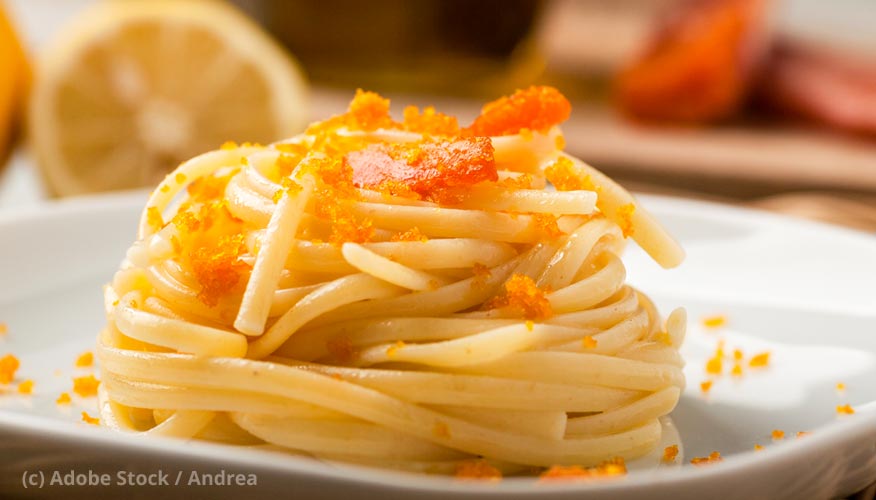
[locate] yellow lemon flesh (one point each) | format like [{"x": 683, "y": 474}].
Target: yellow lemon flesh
[
  {"x": 133, "y": 88},
  {"x": 14, "y": 80}
]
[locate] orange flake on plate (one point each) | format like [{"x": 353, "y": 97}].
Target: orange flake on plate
[
  {"x": 670, "y": 453},
  {"x": 760, "y": 360},
  {"x": 26, "y": 387},
  {"x": 712, "y": 458},
  {"x": 85, "y": 386},
  {"x": 8, "y": 366},
  {"x": 88, "y": 419},
  {"x": 845, "y": 410},
  {"x": 477, "y": 469},
  {"x": 85, "y": 359},
  {"x": 716, "y": 321}
]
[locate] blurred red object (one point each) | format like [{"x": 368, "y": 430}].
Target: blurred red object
[
  {"x": 826, "y": 88},
  {"x": 699, "y": 64}
]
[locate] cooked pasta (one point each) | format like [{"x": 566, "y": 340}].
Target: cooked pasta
[{"x": 400, "y": 294}]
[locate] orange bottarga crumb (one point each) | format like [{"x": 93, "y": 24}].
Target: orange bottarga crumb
[
  {"x": 290, "y": 156},
  {"x": 368, "y": 111},
  {"x": 715, "y": 365},
  {"x": 341, "y": 348},
  {"x": 610, "y": 468},
  {"x": 706, "y": 386},
  {"x": 523, "y": 181},
  {"x": 537, "y": 108},
  {"x": 481, "y": 274},
  {"x": 85, "y": 386},
  {"x": 8, "y": 366},
  {"x": 670, "y": 453},
  {"x": 845, "y": 410},
  {"x": 228, "y": 145},
  {"x": 840, "y": 386},
  {"x": 714, "y": 321},
  {"x": 180, "y": 178},
  {"x": 334, "y": 194},
  {"x": 412, "y": 234},
  {"x": 530, "y": 325},
  {"x": 441, "y": 430},
  {"x": 564, "y": 177},
  {"x": 737, "y": 370},
  {"x": 210, "y": 188},
  {"x": 429, "y": 169},
  {"x": 523, "y": 294},
  {"x": 758, "y": 447},
  {"x": 760, "y": 360},
  {"x": 88, "y": 419},
  {"x": 429, "y": 122},
  {"x": 737, "y": 354},
  {"x": 4, "y": 329},
  {"x": 219, "y": 269},
  {"x": 85, "y": 359},
  {"x": 560, "y": 142},
  {"x": 547, "y": 224},
  {"x": 287, "y": 186},
  {"x": 393, "y": 349},
  {"x": 802, "y": 434},
  {"x": 63, "y": 399},
  {"x": 589, "y": 342},
  {"x": 165, "y": 188},
  {"x": 154, "y": 218},
  {"x": 477, "y": 469},
  {"x": 625, "y": 217},
  {"x": 712, "y": 458},
  {"x": 25, "y": 387},
  {"x": 778, "y": 434}
]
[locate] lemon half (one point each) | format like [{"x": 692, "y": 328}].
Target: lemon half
[{"x": 132, "y": 88}]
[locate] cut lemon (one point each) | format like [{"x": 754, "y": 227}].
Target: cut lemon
[
  {"x": 132, "y": 88},
  {"x": 14, "y": 79}
]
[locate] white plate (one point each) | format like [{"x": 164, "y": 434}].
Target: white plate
[{"x": 803, "y": 291}]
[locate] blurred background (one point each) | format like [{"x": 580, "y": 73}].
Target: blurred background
[{"x": 768, "y": 104}]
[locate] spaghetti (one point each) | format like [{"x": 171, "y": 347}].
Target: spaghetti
[{"x": 401, "y": 294}]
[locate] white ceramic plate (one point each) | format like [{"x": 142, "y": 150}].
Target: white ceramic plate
[{"x": 805, "y": 292}]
